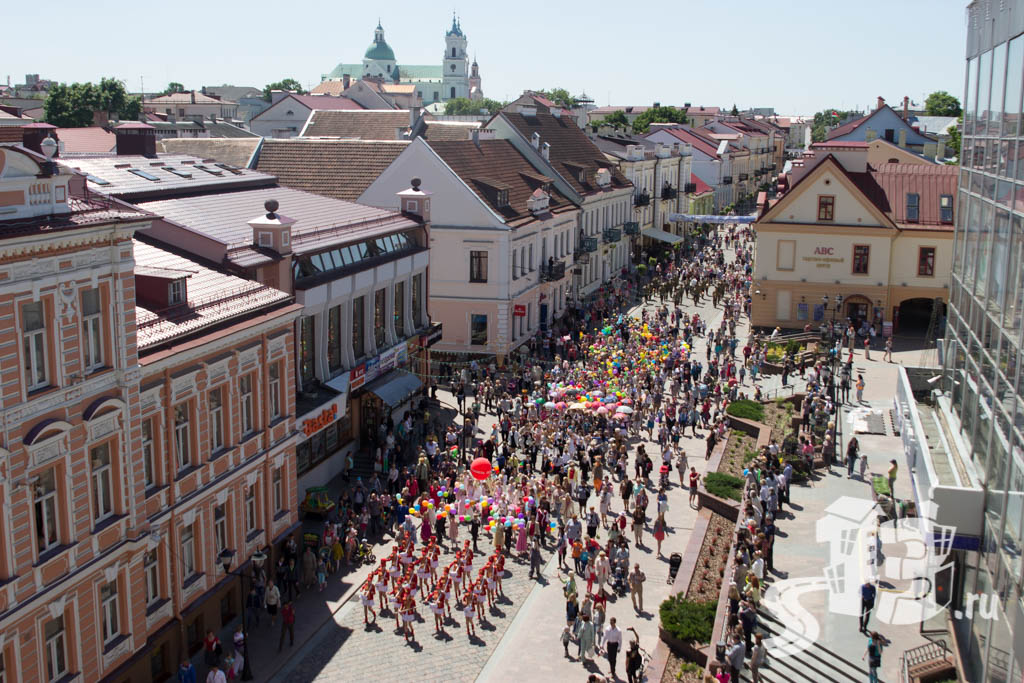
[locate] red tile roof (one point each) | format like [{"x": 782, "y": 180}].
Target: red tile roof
[
  {"x": 702, "y": 187},
  {"x": 928, "y": 181},
  {"x": 90, "y": 140},
  {"x": 688, "y": 135},
  {"x": 494, "y": 165},
  {"x": 703, "y": 111},
  {"x": 839, "y": 144},
  {"x": 368, "y": 124},
  {"x": 326, "y": 102}
]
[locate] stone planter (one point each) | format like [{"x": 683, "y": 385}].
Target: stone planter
[{"x": 689, "y": 651}]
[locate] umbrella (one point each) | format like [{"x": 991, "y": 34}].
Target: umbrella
[
  {"x": 578, "y": 406},
  {"x": 610, "y": 399},
  {"x": 624, "y": 410},
  {"x": 549, "y": 405},
  {"x": 602, "y": 411},
  {"x": 620, "y": 416}
]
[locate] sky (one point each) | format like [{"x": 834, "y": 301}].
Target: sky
[{"x": 798, "y": 56}]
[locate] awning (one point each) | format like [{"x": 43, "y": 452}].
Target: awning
[
  {"x": 395, "y": 387},
  {"x": 661, "y": 235},
  {"x": 691, "y": 218}
]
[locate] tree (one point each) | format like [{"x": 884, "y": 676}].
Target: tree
[
  {"x": 617, "y": 119},
  {"x": 72, "y": 106},
  {"x": 954, "y": 137},
  {"x": 462, "y": 106},
  {"x": 941, "y": 103},
  {"x": 173, "y": 87},
  {"x": 287, "y": 84},
  {"x": 559, "y": 96},
  {"x": 827, "y": 119},
  {"x": 642, "y": 123},
  {"x": 735, "y": 111}
]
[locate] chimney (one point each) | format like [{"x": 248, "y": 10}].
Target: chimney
[
  {"x": 415, "y": 202},
  {"x": 940, "y": 150},
  {"x": 100, "y": 118},
  {"x": 136, "y": 138},
  {"x": 906, "y": 107},
  {"x": 545, "y": 151},
  {"x": 346, "y": 81},
  {"x": 272, "y": 230},
  {"x": 33, "y": 135},
  {"x": 535, "y": 140},
  {"x": 902, "y": 138},
  {"x": 192, "y": 93},
  {"x": 475, "y": 133},
  {"x": 414, "y": 115},
  {"x": 880, "y": 103}
]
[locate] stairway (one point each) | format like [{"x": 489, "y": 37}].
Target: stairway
[{"x": 814, "y": 665}]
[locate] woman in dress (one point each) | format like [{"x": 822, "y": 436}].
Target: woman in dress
[
  {"x": 521, "y": 539},
  {"x": 469, "y": 610},
  {"x": 585, "y": 639},
  {"x": 408, "y": 617},
  {"x": 659, "y": 532},
  {"x": 436, "y": 602}
]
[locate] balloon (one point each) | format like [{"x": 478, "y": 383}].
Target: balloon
[{"x": 480, "y": 468}]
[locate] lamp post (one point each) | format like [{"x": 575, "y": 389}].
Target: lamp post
[{"x": 257, "y": 558}]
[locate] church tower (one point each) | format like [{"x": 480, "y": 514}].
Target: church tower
[
  {"x": 476, "y": 92},
  {"x": 455, "y": 82}
]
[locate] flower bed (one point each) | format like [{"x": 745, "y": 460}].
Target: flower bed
[
  {"x": 746, "y": 409},
  {"x": 725, "y": 486},
  {"x": 678, "y": 669},
  {"x": 709, "y": 573},
  {"x": 740, "y": 449}
]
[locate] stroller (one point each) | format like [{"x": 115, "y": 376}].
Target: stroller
[
  {"x": 674, "y": 562},
  {"x": 619, "y": 579}
]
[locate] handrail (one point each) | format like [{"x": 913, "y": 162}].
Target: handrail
[{"x": 933, "y": 650}]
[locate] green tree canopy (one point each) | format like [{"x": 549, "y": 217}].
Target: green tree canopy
[
  {"x": 173, "y": 87},
  {"x": 642, "y": 123},
  {"x": 72, "y": 106},
  {"x": 826, "y": 119},
  {"x": 462, "y": 106},
  {"x": 559, "y": 96},
  {"x": 735, "y": 111},
  {"x": 941, "y": 103},
  {"x": 286, "y": 84},
  {"x": 617, "y": 119},
  {"x": 953, "y": 143}
]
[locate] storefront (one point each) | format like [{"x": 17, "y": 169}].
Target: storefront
[
  {"x": 380, "y": 388},
  {"x": 324, "y": 431}
]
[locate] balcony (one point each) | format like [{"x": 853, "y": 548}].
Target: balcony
[
  {"x": 668, "y": 192},
  {"x": 727, "y": 180},
  {"x": 588, "y": 245},
  {"x": 642, "y": 199},
  {"x": 612, "y": 235},
  {"x": 631, "y": 228},
  {"x": 690, "y": 188},
  {"x": 552, "y": 272},
  {"x": 743, "y": 176}
]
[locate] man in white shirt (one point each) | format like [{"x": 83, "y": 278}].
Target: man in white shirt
[
  {"x": 216, "y": 675},
  {"x": 612, "y": 643}
]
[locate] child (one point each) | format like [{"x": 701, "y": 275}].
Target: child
[
  {"x": 436, "y": 602},
  {"x": 321, "y": 574},
  {"x": 566, "y": 637}
]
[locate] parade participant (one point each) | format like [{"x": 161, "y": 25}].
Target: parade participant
[{"x": 368, "y": 601}]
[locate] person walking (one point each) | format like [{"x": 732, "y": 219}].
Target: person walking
[
  {"x": 216, "y": 675},
  {"x": 887, "y": 356},
  {"x": 186, "y": 672},
  {"x": 891, "y": 475},
  {"x": 535, "y": 560},
  {"x": 758, "y": 657},
  {"x": 873, "y": 653},
  {"x": 272, "y": 601},
  {"x": 585, "y": 639},
  {"x": 612, "y": 643},
  {"x": 694, "y": 481},
  {"x": 287, "y": 625},
  {"x": 634, "y": 660},
  {"x": 852, "y": 452},
  {"x": 860, "y": 388},
  {"x": 636, "y": 587},
  {"x": 867, "y": 603}
]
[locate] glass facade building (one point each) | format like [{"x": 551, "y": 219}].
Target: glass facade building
[{"x": 982, "y": 378}]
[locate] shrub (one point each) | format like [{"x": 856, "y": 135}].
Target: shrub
[
  {"x": 724, "y": 485},
  {"x": 793, "y": 348},
  {"x": 688, "y": 620},
  {"x": 748, "y": 410}
]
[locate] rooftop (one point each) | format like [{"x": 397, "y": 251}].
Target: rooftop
[
  {"x": 233, "y": 151},
  {"x": 213, "y": 296},
  {"x": 367, "y": 124},
  {"x": 188, "y": 97},
  {"x": 342, "y": 169},
  {"x": 137, "y": 177},
  {"x": 88, "y": 140}
]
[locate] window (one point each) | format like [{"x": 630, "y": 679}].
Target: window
[
  {"x": 502, "y": 199},
  {"x": 46, "y": 511},
  {"x": 379, "y": 304},
  {"x": 56, "y": 649},
  {"x": 102, "y": 495},
  {"x": 307, "y": 347},
  {"x": 478, "y": 266},
  {"x": 826, "y": 207},
  {"x": 176, "y": 292},
  {"x": 188, "y": 551},
  {"x": 220, "y": 528},
  {"x": 148, "y": 465},
  {"x": 531, "y": 258},
  {"x": 946, "y": 208},
  {"x": 251, "y": 520},
  {"x": 913, "y": 207},
  {"x": 108, "y": 611},
  {"x": 34, "y": 343},
  {"x": 92, "y": 330},
  {"x": 216, "y": 420},
  {"x": 266, "y": 239},
  {"x": 182, "y": 435},
  {"x": 926, "y": 261},
  {"x": 334, "y": 338},
  {"x": 151, "y": 569},
  {"x": 861, "y": 254},
  {"x": 359, "y": 326},
  {"x": 785, "y": 258},
  {"x": 889, "y": 134},
  {"x": 417, "y": 300},
  {"x": 245, "y": 391},
  {"x": 278, "y": 490},
  {"x": 453, "y": 93},
  {"x": 399, "y": 309},
  {"x": 515, "y": 264},
  {"x": 453, "y": 56},
  {"x": 478, "y": 329},
  {"x": 275, "y": 390},
  {"x": 436, "y": 96}
]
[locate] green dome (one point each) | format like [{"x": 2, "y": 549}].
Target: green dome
[{"x": 380, "y": 51}]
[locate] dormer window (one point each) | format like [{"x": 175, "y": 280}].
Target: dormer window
[
  {"x": 175, "y": 292},
  {"x": 913, "y": 207},
  {"x": 502, "y": 199},
  {"x": 946, "y": 208},
  {"x": 582, "y": 175}
]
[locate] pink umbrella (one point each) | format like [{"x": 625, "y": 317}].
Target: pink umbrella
[{"x": 602, "y": 411}]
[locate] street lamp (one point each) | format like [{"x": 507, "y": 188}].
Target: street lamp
[{"x": 258, "y": 557}]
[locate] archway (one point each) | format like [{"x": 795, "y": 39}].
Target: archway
[
  {"x": 913, "y": 316},
  {"x": 857, "y": 309}
]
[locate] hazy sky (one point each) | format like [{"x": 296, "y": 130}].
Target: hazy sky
[{"x": 798, "y": 56}]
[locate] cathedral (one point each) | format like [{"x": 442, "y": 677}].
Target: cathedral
[{"x": 434, "y": 84}]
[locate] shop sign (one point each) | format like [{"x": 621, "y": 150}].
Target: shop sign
[
  {"x": 372, "y": 369},
  {"x": 315, "y": 424},
  {"x": 432, "y": 336},
  {"x": 519, "y": 310},
  {"x": 401, "y": 354},
  {"x": 387, "y": 359},
  {"x": 357, "y": 377},
  {"x": 824, "y": 257}
]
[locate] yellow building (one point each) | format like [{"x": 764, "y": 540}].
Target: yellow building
[{"x": 881, "y": 237}]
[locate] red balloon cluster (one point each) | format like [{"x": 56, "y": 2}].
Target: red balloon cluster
[{"x": 480, "y": 468}]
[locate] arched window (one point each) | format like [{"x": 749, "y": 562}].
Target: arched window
[
  {"x": 453, "y": 93},
  {"x": 453, "y": 68},
  {"x": 453, "y": 52}
]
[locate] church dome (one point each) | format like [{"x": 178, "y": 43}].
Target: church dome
[{"x": 380, "y": 51}]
